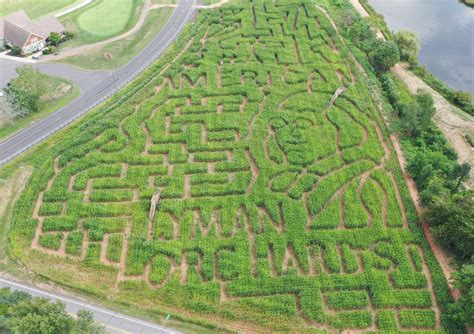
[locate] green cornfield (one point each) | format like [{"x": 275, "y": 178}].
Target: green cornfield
[{"x": 282, "y": 206}]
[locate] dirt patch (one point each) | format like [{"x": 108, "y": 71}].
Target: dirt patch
[{"x": 56, "y": 92}]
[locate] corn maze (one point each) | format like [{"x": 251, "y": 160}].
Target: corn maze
[{"x": 277, "y": 200}]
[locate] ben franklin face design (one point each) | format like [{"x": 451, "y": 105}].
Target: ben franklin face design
[{"x": 296, "y": 137}]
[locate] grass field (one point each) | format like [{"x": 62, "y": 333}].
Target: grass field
[
  {"x": 107, "y": 18},
  {"x": 281, "y": 204},
  {"x": 34, "y": 8},
  {"x": 101, "y": 20},
  {"x": 121, "y": 52},
  {"x": 60, "y": 92}
]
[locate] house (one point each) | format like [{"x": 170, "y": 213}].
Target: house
[{"x": 17, "y": 29}]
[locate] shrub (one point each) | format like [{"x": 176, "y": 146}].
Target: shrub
[
  {"x": 16, "y": 50},
  {"x": 452, "y": 222},
  {"x": 463, "y": 99},
  {"x": 408, "y": 44},
  {"x": 385, "y": 55},
  {"x": 54, "y": 38}
]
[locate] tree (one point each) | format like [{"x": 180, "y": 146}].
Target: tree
[
  {"x": 16, "y": 50},
  {"x": 7, "y": 299},
  {"x": 38, "y": 316},
  {"x": 409, "y": 45},
  {"x": 409, "y": 119},
  {"x": 54, "y": 38},
  {"x": 20, "y": 313},
  {"x": 426, "y": 111},
  {"x": 25, "y": 91},
  {"x": 385, "y": 55},
  {"x": 460, "y": 173},
  {"x": 85, "y": 324},
  {"x": 452, "y": 222},
  {"x": 7, "y": 110},
  {"x": 435, "y": 188},
  {"x": 415, "y": 118},
  {"x": 363, "y": 35},
  {"x": 463, "y": 309}
]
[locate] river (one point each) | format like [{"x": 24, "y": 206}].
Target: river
[{"x": 446, "y": 32}]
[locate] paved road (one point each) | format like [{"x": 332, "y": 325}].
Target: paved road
[
  {"x": 115, "y": 323},
  {"x": 28, "y": 137},
  {"x": 86, "y": 80}
]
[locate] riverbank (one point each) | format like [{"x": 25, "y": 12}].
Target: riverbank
[
  {"x": 455, "y": 124},
  {"x": 446, "y": 53}
]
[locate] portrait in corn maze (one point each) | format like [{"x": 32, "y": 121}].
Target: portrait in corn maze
[{"x": 246, "y": 181}]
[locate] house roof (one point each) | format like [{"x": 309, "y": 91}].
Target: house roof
[
  {"x": 17, "y": 27},
  {"x": 46, "y": 26},
  {"x": 2, "y": 28},
  {"x": 20, "y": 18},
  {"x": 16, "y": 34}
]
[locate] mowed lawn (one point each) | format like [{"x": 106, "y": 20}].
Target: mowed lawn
[
  {"x": 120, "y": 52},
  {"x": 34, "y": 8},
  {"x": 106, "y": 19}
]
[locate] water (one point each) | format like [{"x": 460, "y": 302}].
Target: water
[{"x": 446, "y": 32}]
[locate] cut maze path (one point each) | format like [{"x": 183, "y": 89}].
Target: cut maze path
[{"x": 278, "y": 201}]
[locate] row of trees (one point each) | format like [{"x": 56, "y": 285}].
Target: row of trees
[
  {"x": 431, "y": 160},
  {"x": 20, "y": 313}
]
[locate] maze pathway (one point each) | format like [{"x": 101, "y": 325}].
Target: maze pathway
[{"x": 280, "y": 203}]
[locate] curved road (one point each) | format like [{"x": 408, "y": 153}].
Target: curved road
[
  {"x": 28, "y": 137},
  {"x": 114, "y": 322}
]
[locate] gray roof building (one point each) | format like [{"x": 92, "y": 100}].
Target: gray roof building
[{"x": 18, "y": 29}]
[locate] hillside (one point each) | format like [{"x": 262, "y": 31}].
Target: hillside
[{"x": 280, "y": 204}]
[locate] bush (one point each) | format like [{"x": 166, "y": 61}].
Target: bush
[
  {"x": 385, "y": 55},
  {"x": 16, "y": 50},
  {"x": 54, "y": 39},
  {"x": 463, "y": 99},
  {"x": 452, "y": 222},
  {"x": 470, "y": 139},
  {"x": 68, "y": 35},
  {"x": 463, "y": 309},
  {"x": 49, "y": 50},
  {"x": 409, "y": 45}
]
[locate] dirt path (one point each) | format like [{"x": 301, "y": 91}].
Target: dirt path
[{"x": 215, "y": 5}]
